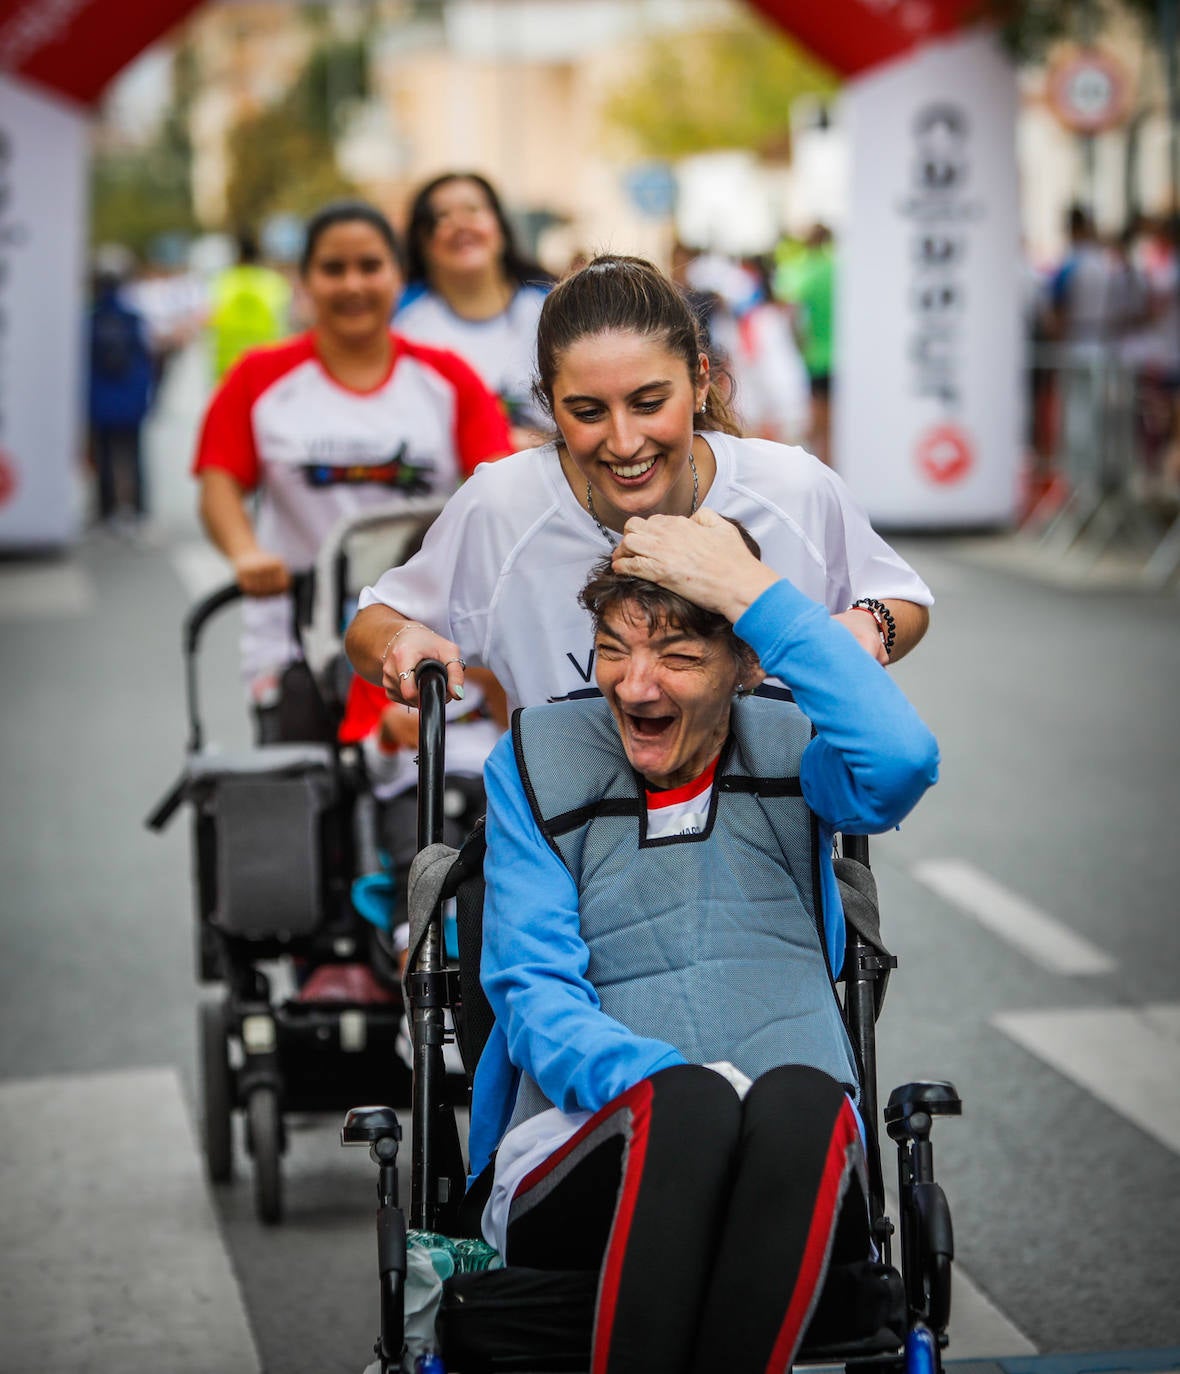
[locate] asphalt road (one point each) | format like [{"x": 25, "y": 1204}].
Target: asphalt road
[{"x": 1031, "y": 899}]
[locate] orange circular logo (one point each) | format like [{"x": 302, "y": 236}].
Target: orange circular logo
[{"x": 944, "y": 455}]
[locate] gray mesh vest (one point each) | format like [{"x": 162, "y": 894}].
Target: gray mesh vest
[{"x": 702, "y": 941}]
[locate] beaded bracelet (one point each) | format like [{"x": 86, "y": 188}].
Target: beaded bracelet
[{"x": 886, "y": 625}]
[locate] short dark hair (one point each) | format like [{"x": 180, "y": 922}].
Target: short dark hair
[
  {"x": 629, "y": 295},
  {"x": 348, "y": 212},
  {"x": 517, "y": 267},
  {"x": 606, "y": 590},
  {"x": 247, "y": 246}
]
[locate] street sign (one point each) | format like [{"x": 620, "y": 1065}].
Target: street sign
[
  {"x": 1088, "y": 91},
  {"x": 651, "y": 188}
]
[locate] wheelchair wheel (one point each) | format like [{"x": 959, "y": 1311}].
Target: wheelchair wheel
[
  {"x": 216, "y": 1092},
  {"x": 264, "y": 1133}
]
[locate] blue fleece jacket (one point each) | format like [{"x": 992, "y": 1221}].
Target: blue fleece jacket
[{"x": 870, "y": 761}]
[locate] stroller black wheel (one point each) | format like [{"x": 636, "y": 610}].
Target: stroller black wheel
[
  {"x": 216, "y": 1093},
  {"x": 265, "y": 1128}
]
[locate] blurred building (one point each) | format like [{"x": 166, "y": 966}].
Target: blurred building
[
  {"x": 517, "y": 89},
  {"x": 512, "y": 88}
]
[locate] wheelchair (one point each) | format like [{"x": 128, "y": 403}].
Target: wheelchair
[
  {"x": 869, "y": 1316},
  {"x": 280, "y": 834}
]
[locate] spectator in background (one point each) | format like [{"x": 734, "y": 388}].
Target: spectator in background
[
  {"x": 1092, "y": 294},
  {"x": 469, "y": 288},
  {"x": 250, "y": 305},
  {"x": 705, "y": 300},
  {"x": 806, "y": 280},
  {"x": 120, "y": 393},
  {"x": 1151, "y": 347},
  {"x": 1093, "y": 298},
  {"x": 174, "y": 304},
  {"x": 771, "y": 384}
]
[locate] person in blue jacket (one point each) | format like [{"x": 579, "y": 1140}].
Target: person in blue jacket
[
  {"x": 119, "y": 396},
  {"x": 669, "y": 1093}
]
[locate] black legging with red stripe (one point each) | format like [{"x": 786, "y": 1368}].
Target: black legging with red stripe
[{"x": 712, "y": 1219}]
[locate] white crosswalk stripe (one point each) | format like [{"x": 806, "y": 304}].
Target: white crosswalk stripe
[
  {"x": 37, "y": 591},
  {"x": 1042, "y": 938},
  {"x": 1125, "y": 1056},
  {"x": 110, "y": 1254}
]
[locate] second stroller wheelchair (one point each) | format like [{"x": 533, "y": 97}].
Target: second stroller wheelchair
[
  {"x": 279, "y": 837},
  {"x": 869, "y": 1315}
]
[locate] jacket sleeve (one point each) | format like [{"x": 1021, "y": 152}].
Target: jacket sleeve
[
  {"x": 872, "y": 758},
  {"x": 535, "y": 960}
]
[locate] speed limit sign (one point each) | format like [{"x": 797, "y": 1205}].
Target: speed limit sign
[{"x": 1088, "y": 91}]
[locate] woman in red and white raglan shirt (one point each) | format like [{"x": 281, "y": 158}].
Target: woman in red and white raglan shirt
[{"x": 342, "y": 417}]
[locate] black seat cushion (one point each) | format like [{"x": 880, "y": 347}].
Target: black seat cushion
[{"x": 537, "y": 1319}]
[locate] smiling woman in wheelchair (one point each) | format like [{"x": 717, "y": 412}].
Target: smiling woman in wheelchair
[{"x": 669, "y": 1093}]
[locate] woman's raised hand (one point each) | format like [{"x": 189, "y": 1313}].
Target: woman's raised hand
[
  {"x": 703, "y": 558},
  {"x": 410, "y": 644}
]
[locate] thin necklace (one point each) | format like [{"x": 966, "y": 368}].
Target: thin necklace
[{"x": 612, "y": 540}]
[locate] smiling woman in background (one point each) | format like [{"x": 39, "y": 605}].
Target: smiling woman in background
[
  {"x": 341, "y": 417},
  {"x": 470, "y": 289}
]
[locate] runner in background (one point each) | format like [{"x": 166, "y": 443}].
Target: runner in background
[
  {"x": 471, "y": 289},
  {"x": 250, "y": 305},
  {"x": 805, "y": 279},
  {"x": 345, "y": 416}
]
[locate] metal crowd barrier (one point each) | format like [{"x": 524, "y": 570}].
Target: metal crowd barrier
[{"x": 1085, "y": 424}]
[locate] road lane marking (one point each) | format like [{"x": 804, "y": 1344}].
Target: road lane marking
[
  {"x": 1048, "y": 942},
  {"x": 201, "y": 569},
  {"x": 1124, "y": 1056},
  {"x": 110, "y": 1253},
  {"x": 38, "y": 591}
]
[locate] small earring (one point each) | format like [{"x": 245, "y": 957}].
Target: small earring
[
  {"x": 704, "y": 403},
  {"x": 741, "y": 689}
]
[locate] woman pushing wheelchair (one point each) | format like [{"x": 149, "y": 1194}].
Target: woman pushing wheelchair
[{"x": 669, "y": 1094}]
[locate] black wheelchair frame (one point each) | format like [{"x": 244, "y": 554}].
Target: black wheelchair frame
[
  {"x": 258, "y": 1055},
  {"x": 910, "y": 1310}
]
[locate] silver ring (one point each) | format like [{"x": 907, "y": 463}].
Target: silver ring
[
  {"x": 459, "y": 661},
  {"x": 408, "y": 673}
]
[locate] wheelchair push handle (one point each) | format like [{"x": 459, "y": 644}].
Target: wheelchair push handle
[
  {"x": 302, "y": 593},
  {"x": 431, "y": 678}
]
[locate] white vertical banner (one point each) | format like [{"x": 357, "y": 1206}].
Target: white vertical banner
[
  {"x": 43, "y": 212},
  {"x": 930, "y": 362}
]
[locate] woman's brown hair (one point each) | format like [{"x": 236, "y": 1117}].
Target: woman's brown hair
[{"x": 627, "y": 295}]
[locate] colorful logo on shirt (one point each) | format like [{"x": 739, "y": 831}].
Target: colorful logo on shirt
[{"x": 396, "y": 472}]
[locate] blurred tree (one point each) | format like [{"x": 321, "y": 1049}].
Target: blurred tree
[
  {"x": 1030, "y": 27},
  {"x": 283, "y": 158},
  {"x": 138, "y": 194},
  {"x": 716, "y": 89}
]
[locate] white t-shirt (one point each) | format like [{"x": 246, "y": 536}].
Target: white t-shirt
[
  {"x": 681, "y": 810},
  {"x": 316, "y": 451},
  {"x": 500, "y": 570},
  {"x": 503, "y": 350}
]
